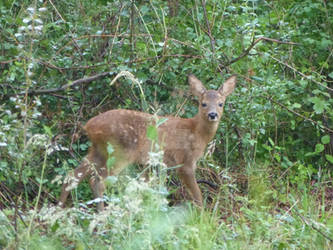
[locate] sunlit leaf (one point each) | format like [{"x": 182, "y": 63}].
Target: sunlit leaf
[
  {"x": 319, "y": 148},
  {"x": 319, "y": 104},
  {"x": 152, "y": 132},
  {"x": 329, "y": 158},
  {"x": 325, "y": 139}
]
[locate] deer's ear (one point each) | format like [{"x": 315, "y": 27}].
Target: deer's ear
[
  {"x": 197, "y": 87},
  {"x": 228, "y": 86}
]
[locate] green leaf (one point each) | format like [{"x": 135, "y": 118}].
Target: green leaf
[
  {"x": 72, "y": 162},
  {"x": 55, "y": 226},
  {"x": 271, "y": 141},
  {"x": 259, "y": 79},
  {"x": 319, "y": 104},
  {"x": 161, "y": 121},
  {"x": 329, "y": 158},
  {"x": 330, "y": 223},
  {"x": 330, "y": 74},
  {"x": 297, "y": 105},
  {"x": 325, "y": 139},
  {"x": 83, "y": 146},
  {"x": 325, "y": 43},
  {"x": 268, "y": 148},
  {"x": 40, "y": 181},
  {"x": 109, "y": 148},
  {"x": 48, "y": 130},
  {"x": 303, "y": 83},
  {"x": 111, "y": 180},
  {"x": 152, "y": 133},
  {"x": 319, "y": 148},
  {"x": 309, "y": 154},
  {"x": 110, "y": 162}
]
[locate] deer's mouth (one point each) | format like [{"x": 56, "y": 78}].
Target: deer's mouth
[{"x": 213, "y": 117}]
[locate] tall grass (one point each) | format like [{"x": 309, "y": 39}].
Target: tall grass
[{"x": 137, "y": 216}]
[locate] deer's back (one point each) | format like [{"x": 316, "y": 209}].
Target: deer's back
[{"x": 126, "y": 130}]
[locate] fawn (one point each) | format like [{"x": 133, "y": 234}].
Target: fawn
[{"x": 183, "y": 141}]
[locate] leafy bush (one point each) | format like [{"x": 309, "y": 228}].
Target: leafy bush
[{"x": 272, "y": 155}]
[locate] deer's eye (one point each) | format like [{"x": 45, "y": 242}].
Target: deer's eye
[
  {"x": 204, "y": 104},
  {"x": 221, "y": 105}
]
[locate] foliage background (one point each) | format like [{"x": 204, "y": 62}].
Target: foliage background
[{"x": 273, "y": 152}]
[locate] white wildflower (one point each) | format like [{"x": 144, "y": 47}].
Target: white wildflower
[
  {"x": 39, "y": 27},
  {"x": 39, "y": 21},
  {"x": 156, "y": 159},
  {"x": 31, "y": 10},
  {"x": 72, "y": 181},
  {"x": 38, "y": 140},
  {"x": 57, "y": 179},
  {"x": 27, "y": 20}
]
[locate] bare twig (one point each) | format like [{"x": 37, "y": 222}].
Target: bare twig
[
  {"x": 247, "y": 51},
  {"x": 8, "y": 61},
  {"x": 212, "y": 40},
  {"x": 8, "y": 196},
  {"x": 66, "y": 86},
  {"x": 56, "y": 10},
  {"x": 114, "y": 38},
  {"x": 132, "y": 27},
  {"x": 114, "y": 64},
  {"x": 98, "y": 36},
  {"x": 300, "y": 73},
  {"x": 310, "y": 224},
  {"x": 128, "y": 62},
  {"x": 182, "y": 43},
  {"x": 300, "y": 115},
  {"x": 209, "y": 183}
]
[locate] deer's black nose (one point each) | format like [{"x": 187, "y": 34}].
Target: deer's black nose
[{"x": 212, "y": 116}]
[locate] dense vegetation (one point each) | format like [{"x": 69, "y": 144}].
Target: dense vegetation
[{"x": 271, "y": 159}]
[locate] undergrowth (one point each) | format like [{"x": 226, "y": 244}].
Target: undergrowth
[
  {"x": 138, "y": 216},
  {"x": 271, "y": 161}
]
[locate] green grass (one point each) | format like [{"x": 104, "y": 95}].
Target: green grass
[{"x": 138, "y": 217}]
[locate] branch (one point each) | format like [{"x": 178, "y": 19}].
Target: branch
[
  {"x": 300, "y": 115},
  {"x": 247, "y": 51},
  {"x": 212, "y": 40},
  {"x": 300, "y": 73},
  {"x": 209, "y": 183},
  {"x": 312, "y": 225},
  {"x": 8, "y": 61},
  {"x": 66, "y": 86},
  {"x": 99, "y": 64},
  {"x": 270, "y": 98}
]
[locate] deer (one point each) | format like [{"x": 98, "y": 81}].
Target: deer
[{"x": 184, "y": 141}]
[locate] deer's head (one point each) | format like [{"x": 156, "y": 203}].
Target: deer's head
[{"x": 211, "y": 102}]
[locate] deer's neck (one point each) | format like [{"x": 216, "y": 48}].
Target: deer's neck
[{"x": 204, "y": 129}]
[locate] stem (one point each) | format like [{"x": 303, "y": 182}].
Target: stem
[
  {"x": 132, "y": 27},
  {"x": 39, "y": 192}
]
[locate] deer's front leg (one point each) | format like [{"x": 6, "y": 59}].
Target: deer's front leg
[{"x": 187, "y": 176}]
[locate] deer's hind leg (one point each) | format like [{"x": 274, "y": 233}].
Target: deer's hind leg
[
  {"x": 96, "y": 182},
  {"x": 97, "y": 179}
]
